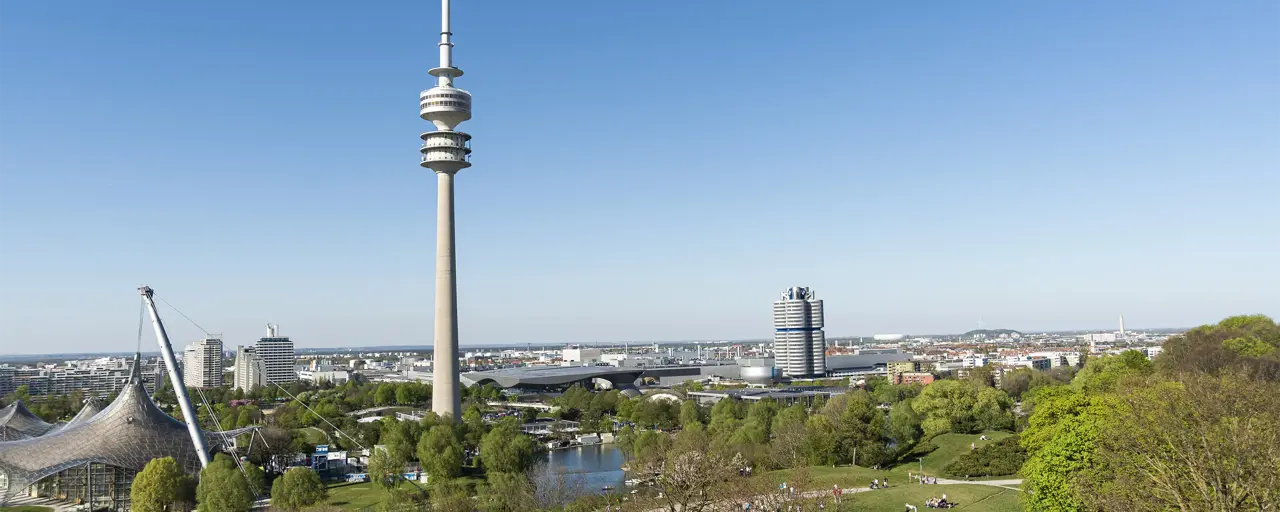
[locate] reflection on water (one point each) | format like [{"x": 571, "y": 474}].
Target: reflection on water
[{"x": 597, "y": 465}]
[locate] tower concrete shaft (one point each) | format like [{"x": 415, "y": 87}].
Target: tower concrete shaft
[
  {"x": 445, "y": 151},
  {"x": 446, "y": 398}
]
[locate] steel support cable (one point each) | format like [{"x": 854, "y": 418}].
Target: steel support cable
[
  {"x": 218, "y": 425},
  {"x": 184, "y": 315},
  {"x": 212, "y": 416},
  {"x": 269, "y": 381}
]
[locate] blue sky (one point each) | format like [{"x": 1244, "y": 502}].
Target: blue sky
[{"x": 642, "y": 170}]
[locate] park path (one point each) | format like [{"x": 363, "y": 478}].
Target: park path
[{"x": 1004, "y": 484}]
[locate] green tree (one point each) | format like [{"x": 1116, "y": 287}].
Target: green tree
[
  {"x": 1204, "y": 442},
  {"x": 1061, "y": 441},
  {"x": 788, "y": 436},
  {"x": 962, "y": 407},
  {"x": 440, "y": 453},
  {"x": 821, "y": 442},
  {"x": 399, "y": 437},
  {"x": 650, "y": 445},
  {"x": 223, "y": 488},
  {"x": 626, "y": 441},
  {"x": 904, "y": 424},
  {"x": 385, "y": 468},
  {"x": 297, "y": 489},
  {"x": 507, "y": 492},
  {"x": 689, "y": 414},
  {"x": 158, "y": 486},
  {"x": 386, "y": 394},
  {"x": 1248, "y": 342},
  {"x": 1249, "y": 346},
  {"x": 1103, "y": 374},
  {"x": 506, "y": 450},
  {"x": 450, "y": 497}
]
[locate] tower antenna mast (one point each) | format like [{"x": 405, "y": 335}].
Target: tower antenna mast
[{"x": 445, "y": 151}]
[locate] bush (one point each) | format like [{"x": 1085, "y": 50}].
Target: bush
[
  {"x": 1003, "y": 457},
  {"x": 920, "y": 449}
]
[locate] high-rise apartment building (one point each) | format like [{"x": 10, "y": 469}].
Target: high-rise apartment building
[
  {"x": 202, "y": 363},
  {"x": 95, "y": 378},
  {"x": 799, "y": 345},
  {"x": 276, "y": 352},
  {"x": 249, "y": 370},
  {"x": 7, "y": 374}
]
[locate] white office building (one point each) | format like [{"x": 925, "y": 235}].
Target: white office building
[
  {"x": 202, "y": 363},
  {"x": 799, "y": 345},
  {"x": 276, "y": 352},
  {"x": 581, "y": 355},
  {"x": 249, "y": 370}
]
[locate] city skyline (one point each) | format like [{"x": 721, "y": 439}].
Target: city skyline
[{"x": 1121, "y": 163}]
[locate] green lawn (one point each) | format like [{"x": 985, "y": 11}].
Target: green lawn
[
  {"x": 969, "y": 497},
  {"x": 353, "y": 496},
  {"x": 26, "y": 508},
  {"x": 315, "y": 435},
  {"x": 950, "y": 447},
  {"x": 823, "y": 477}
]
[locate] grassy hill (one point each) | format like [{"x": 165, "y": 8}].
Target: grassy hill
[{"x": 950, "y": 448}]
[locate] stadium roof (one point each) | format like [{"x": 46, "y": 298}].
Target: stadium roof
[
  {"x": 91, "y": 407},
  {"x": 16, "y": 422},
  {"x": 127, "y": 434},
  {"x": 551, "y": 376}
]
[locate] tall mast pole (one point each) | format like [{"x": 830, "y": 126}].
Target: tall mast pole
[
  {"x": 446, "y": 152},
  {"x": 175, "y": 378}
]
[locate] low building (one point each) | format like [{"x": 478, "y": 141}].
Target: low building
[
  {"x": 896, "y": 367},
  {"x": 333, "y": 376},
  {"x": 581, "y": 356},
  {"x": 922, "y": 378},
  {"x": 784, "y": 397},
  {"x": 544, "y": 426}
]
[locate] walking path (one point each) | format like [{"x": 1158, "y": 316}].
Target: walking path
[{"x": 1005, "y": 484}]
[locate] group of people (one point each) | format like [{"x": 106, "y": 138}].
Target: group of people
[
  {"x": 925, "y": 479},
  {"x": 936, "y": 502},
  {"x": 877, "y": 484}
]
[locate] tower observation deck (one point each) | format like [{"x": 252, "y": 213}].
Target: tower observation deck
[{"x": 445, "y": 150}]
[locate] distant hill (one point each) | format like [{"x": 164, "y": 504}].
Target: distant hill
[{"x": 990, "y": 333}]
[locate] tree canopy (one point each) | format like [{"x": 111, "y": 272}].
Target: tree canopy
[
  {"x": 223, "y": 488},
  {"x": 296, "y": 489},
  {"x": 158, "y": 486}
]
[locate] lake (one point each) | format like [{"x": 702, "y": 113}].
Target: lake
[{"x": 597, "y": 465}]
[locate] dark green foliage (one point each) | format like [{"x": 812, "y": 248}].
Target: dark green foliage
[
  {"x": 506, "y": 450},
  {"x": 297, "y": 489},
  {"x": 1003, "y": 457},
  {"x": 1249, "y": 342}
]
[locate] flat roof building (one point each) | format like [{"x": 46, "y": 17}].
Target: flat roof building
[{"x": 202, "y": 363}]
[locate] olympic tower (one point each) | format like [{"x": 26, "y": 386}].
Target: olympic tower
[{"x": 445, "y": 151}]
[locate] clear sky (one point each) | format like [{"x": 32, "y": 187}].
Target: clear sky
[{"x": 642, "y": 170}]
